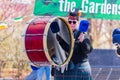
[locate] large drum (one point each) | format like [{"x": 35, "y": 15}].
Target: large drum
[{"x": 41, "y": 45}]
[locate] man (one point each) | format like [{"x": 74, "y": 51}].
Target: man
[
  {"x": 79, "y": 67},
  {"x": 116, "y": 40}
]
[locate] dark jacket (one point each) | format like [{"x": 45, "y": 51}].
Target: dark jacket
[{"x": 80, "y": 49}]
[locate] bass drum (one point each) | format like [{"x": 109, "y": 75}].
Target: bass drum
[{"x": 41, "y": 44}]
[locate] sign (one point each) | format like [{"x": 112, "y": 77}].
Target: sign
[{"x": 103, "y": 9}]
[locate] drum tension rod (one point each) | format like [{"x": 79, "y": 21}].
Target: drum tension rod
[
  {"x": 33, "y": 35},
  {"x": 34, "y": 50},
  {"x": 34, "y": 23}
]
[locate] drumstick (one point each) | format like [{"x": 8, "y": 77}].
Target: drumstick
[
  {"x": 54, "y": 27},
  {"x": 84, "y": 25},
  {"x": 116, "y": 38},
  {"x": 116, "y": 31}
]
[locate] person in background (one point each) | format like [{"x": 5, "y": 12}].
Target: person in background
[
  {"x": 78, "y": 67},
  {"x": 37, "y": 73},
  {"x": 116, "y": 40}
]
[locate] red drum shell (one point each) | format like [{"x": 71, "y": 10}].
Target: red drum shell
[{"x": 36, "y": 41}]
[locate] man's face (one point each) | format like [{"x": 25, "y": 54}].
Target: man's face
[{"x": 73, "y": 22}]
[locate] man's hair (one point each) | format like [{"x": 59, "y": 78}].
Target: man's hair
[{"x": 74, "y": 14}]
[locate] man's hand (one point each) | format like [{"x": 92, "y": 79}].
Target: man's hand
[{"x": 81, "y": 37}]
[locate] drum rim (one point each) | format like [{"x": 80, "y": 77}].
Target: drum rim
[{"x": 45, "y": 41}]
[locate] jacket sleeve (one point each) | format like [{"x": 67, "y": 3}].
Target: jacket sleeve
[
  {"x": 63, "y": 44},
  {"x": 86, "y": 45}
]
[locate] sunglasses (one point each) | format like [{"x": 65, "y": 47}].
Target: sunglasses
[{"x": 74, "y": 22}]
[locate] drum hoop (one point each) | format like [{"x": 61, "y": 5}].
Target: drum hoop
[{"x": 45, "y": 40}]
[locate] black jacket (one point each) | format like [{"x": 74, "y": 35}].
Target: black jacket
[{"x": 80, "y": 49}]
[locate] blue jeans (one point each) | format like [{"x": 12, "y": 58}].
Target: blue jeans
[
  {"x": 32, "y": 75},
  {"x": 38, "y": 74},
  {"x": 41, "y": 70}
]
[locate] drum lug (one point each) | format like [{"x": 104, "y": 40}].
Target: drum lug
[{"x": 46, "y": 50}]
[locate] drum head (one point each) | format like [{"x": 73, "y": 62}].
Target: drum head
[{"x": 56, "y": 53}]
